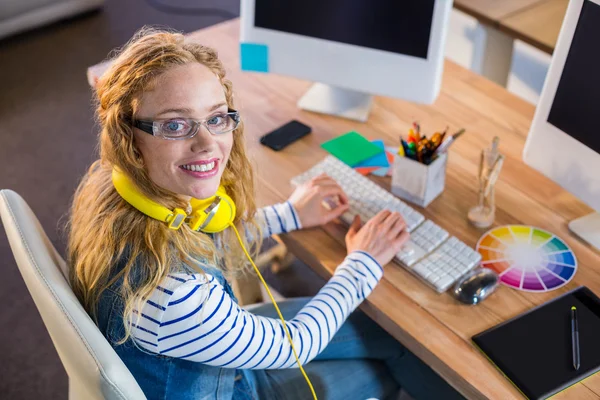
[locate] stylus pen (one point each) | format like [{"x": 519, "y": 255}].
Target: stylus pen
[{"x": 575, "y": 337}]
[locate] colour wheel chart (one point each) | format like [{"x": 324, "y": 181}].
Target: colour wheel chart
[{"x": 527, "y": 258}]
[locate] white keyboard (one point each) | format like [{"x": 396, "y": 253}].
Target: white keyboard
[{"x": 431, "y": 254}]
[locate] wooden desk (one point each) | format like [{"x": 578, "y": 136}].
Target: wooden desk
[
  {"x": 538, "y": 25},
  {"x": 435, "y": 327},
  {"x": 536, "y": 22},
  {"x": 491, "y": 11}
]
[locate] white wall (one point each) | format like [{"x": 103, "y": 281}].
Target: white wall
[{"x": 528, "y": 71}]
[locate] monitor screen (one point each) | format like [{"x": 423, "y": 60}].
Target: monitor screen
[
  {"x": 397, "y": 26},
  {"x": 576, "y": 106}
]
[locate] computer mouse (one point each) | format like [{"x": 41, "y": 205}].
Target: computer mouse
[{"x": 476, "y": 285}]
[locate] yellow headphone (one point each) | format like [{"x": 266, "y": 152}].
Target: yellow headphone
[{"x": 211, "y": 215}]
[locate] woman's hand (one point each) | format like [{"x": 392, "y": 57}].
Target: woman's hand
[
  {"x": 382, "y": 236},
  {"x": 308, "y": 199}
]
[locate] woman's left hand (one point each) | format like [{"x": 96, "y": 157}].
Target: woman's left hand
[{"x": 308, "y": 200}]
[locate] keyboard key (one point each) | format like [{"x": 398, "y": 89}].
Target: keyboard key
[
  {"x": 422, "y": 270},
  {"x": 455, "y": 274},
  {"x": 444, "y": 283},
  {"x": 410, "y": 253}
]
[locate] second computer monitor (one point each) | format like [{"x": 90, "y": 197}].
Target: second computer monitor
[
  {"x": 564, "y": 139},
  {"x": 353, "y": 49}
]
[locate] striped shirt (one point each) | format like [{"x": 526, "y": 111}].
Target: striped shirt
[{"x": 191, "y": 316}]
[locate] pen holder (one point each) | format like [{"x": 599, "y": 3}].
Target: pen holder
[{"x": 416, "y": 182}]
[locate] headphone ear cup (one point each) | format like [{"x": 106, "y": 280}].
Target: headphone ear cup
[
  {"x": 223, "y": 218},
  {"x": 220, "y": 220}
]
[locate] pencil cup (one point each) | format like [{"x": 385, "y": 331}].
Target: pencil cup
[{"x": 416, "y": 182}]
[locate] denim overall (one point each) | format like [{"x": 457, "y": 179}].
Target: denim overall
[{"x": 162, "y": 377}]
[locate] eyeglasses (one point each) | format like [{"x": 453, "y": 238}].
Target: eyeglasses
[{"x": 185, "y": 128}]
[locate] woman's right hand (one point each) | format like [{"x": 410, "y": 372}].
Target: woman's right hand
[{"x": 382, "y": 236}]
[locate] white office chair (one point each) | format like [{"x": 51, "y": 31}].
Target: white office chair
[{"x": 95, "y": 370}]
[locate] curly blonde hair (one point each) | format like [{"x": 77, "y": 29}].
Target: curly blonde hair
[{"x": 104, "y": 230}]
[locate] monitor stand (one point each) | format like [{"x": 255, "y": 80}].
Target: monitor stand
[
  {"x": 588, "y": 229},
  {"x": 336, "y": 101}
]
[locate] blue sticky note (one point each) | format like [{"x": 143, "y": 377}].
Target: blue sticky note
[
  {"x": 254, "y": 57},
  {"x": 379, "y": 160}
]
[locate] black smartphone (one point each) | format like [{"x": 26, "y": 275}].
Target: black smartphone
[{"x": 284, "y": 135}]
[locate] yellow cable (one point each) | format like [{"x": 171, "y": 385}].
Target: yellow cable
[{"x": 278, "y": 312}]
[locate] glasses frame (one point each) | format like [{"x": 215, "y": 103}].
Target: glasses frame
[{"x": 149, "y": 127}]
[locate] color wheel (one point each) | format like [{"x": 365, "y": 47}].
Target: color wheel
[{"x": 527, "y": 258}]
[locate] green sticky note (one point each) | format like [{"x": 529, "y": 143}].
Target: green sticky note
[{"x": 351, "y": 148}]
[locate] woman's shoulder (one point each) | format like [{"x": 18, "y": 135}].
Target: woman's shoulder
[
  {"x": 180, "y": 278},
  {"x": 188, "y": 281}
]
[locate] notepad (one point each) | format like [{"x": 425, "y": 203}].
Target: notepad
[
  {"x": 379, "y": 160},
  {"x": 385, "y": 170},
  {"x": 365, "y": 170},
  {"x": 533, "y": 350},
  {"x": 351, "y": 148}
]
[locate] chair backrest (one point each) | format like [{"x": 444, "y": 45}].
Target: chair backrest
[{"x": 95, "y": 370}]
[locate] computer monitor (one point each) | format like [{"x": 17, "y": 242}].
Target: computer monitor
[
  {"x": 351, "y": 48},
  {"x": 564, "y": 139}
]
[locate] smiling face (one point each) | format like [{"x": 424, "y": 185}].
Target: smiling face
[{"x": 186, "y": 91}]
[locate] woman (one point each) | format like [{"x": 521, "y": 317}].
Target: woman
[{"x": 160, "y": 295}]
